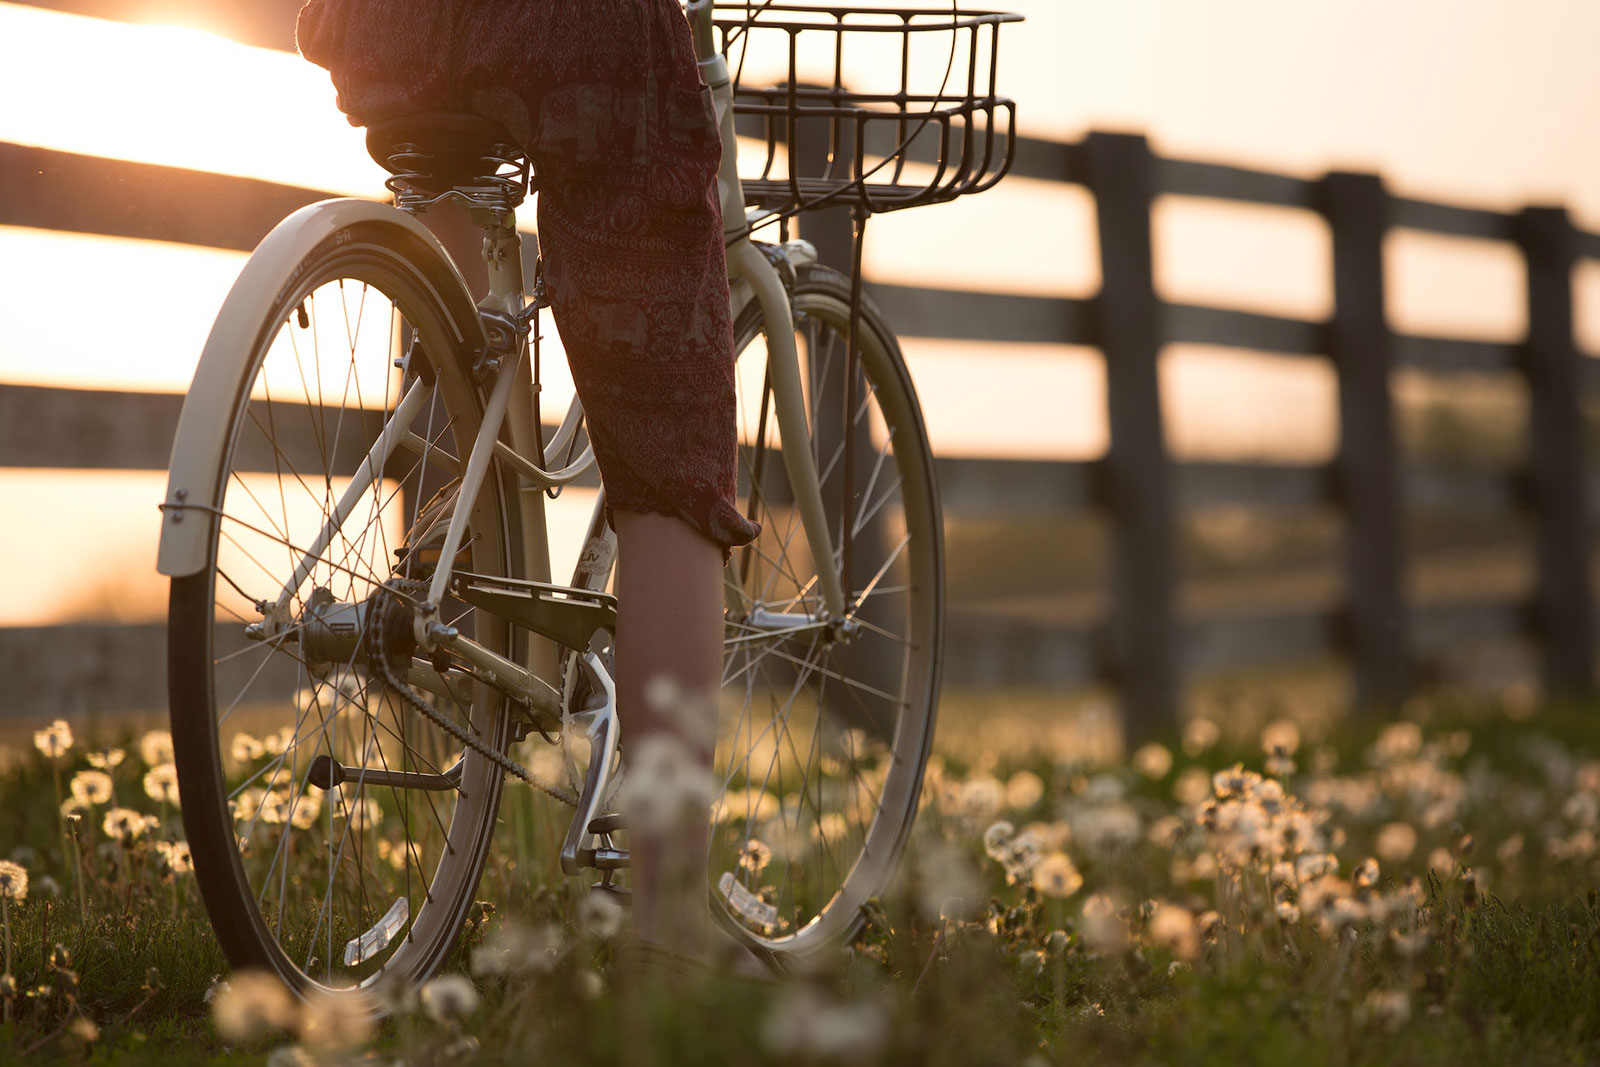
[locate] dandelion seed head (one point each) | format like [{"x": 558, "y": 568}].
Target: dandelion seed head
[
  {"x": 123, "y": 824},
  {"x": 997, "y": 838},
  {"x": 155, "y": 748},
  {"x": 981, "y": 798},
  {"x": 90, "y": 788},
  {"x": 55, "y": 740},
  {"x": 1023, "y": 790},
  {"x": 110, "y": 759},
  {"x": 449, "y": 998},
  {"x": 1280, "y": 736},
  {"x": 947, "y": 886},
  {"x": 250, "y": 1003},
  {"x": 1387, "y": 1009},
  {"x": 84, "y": 1029},
  {"x": 665, "y": 784},
  {"x": 1152, "y": 761},
  {"x": 513, "y": 949},
  {"x": 1365, "y": 875},
  {"x": 1397, "y": 741},
  {"x": 1199, "y": 734},
  {"x": 754, "y": 856},
  {"x": 1101, "y": 924},
  {"x": 1288, "y": 913},
  {"x": 335, "y": 1021},
  {"x": 13, "y": 880},
  {"x": 1192, "y": 787},
  {"x": 802, "y": 1022},
  {"x": 307, "y": 806},
  {"x": 1395, "y": 842},
  {"x": 161, "y": 783},
  {"x": 600, "y": 916},
  {"x": 1173, "y": 927},
  {"x": 290, "y": 1056},
  {"x": 176, "y": 856},
  {"x": 246, "y": 748}
]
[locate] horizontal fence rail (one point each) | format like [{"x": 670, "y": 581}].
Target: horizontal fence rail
[{"x": 1143, "y": 644}]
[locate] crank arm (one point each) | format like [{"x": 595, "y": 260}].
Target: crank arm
[{"x": 600, "y": 725}]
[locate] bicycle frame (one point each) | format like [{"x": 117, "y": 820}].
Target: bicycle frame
[{"x": 197, "y": 453}]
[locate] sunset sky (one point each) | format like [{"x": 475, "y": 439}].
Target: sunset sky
[{"x": 1483, "y": 103}]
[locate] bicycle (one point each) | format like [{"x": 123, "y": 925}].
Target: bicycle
[{"x": 362, "y": 621}]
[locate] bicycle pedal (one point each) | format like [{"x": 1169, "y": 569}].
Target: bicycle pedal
[
  {"x": 608, "y": 824},
  {"x": 616, "y": 892}
]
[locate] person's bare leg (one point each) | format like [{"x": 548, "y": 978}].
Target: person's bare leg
[{"x": 669, "y": 640}]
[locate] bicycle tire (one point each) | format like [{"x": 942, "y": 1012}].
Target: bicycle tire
[
  {"x": 376, "y": 881},
  {"x": 800, "y": 844}
]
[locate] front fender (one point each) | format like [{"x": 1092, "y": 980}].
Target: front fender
[{"x": 221, "y": 382}]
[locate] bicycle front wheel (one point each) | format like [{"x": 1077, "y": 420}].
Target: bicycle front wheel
[
  {"x": 338, "y": 831},
  {"x": 826, "y": 723}
]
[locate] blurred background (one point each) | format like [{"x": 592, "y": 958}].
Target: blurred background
[{"x": 1350, "y": 421}]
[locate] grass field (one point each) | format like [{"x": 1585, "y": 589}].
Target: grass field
[{"x": 1302, "y": 890}]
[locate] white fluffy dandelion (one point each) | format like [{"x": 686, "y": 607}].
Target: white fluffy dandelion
[
  {"x": 449, "y": 998},
  {"x": 155, "y": 748},
  {"x": 161, "y": 783},
  {"x": 123, "y": 824},
  {"x": 54, "y": 740},
  {"x": 13, "y": 881},
  {"x": 90, "y": 788}
]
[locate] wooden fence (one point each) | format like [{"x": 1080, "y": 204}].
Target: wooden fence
[{"x": 1142, "y": 647}]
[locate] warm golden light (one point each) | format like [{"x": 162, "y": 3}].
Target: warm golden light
[
  {"x": 152, "y": 307},
  {"x": 174, "y": 96}
]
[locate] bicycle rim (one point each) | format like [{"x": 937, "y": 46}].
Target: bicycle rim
[
  {"x": 824, "y": 731},
  {"x": 307, "y": 869}
]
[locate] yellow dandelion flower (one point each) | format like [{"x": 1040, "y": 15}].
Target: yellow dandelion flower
[
  {"x": 161, "y": 783},
  {"x": 90, "y": 788},
  {"x": 54, "y": 740}
]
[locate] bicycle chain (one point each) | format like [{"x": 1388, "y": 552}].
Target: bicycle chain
[{"x": 500, "y": 759}]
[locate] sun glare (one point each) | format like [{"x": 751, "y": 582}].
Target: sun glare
[{"x": 175, "y": 96}]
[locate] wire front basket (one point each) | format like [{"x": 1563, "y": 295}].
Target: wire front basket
[{"x": 879, "y": 109}]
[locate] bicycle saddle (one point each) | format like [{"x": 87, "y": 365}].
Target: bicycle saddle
[{"x": 435, "y": 151}]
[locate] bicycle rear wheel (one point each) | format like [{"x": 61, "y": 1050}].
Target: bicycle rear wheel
[
  {"x": 825, "y": 723},
  {"x": 338, "y": 834}
]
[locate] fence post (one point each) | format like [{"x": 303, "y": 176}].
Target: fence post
[
  {"x": 1563, "y": 611},
  {"x": 1144, "y": 637},
  {"x": 1361, "y": 345}
]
